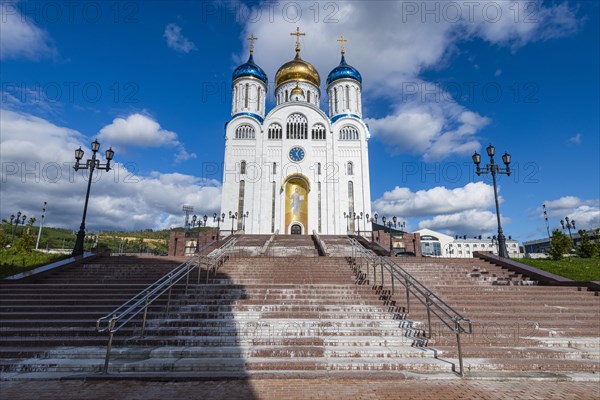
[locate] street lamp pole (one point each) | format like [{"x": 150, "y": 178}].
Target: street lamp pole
[
  {"x": 570, "y": 224},
  {"x": 495, "y": 169},
  {"x": 233, "y": 217},
  {"x": 347, "y": 217},
  {"x": 90, "y": 164},
  {"x": 218, "y": 219},
  {"x": 37, "y": 243},
  {"x": 546, "y": 219},
  {"x": 358, "y": 218}
]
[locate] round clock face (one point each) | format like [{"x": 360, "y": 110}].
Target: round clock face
[{"x": 296, "y": 154}]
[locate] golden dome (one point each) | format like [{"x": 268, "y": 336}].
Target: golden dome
[
  {"x": 298, "y": 90},
  {"x": 297, "y": 70}
]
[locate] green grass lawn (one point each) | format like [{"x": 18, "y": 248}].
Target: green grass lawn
[
  {"x": 578, "y": 269},
  {"x": 12, "y": 263}
]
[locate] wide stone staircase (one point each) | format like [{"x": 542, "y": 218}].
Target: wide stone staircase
[
  {"x": 290, "y": 313},
  {"x": 264, "y": 316},
  {"x": 519, "y": 327}
]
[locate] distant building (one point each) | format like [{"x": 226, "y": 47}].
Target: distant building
[
  {"x": 541, "y": 245},
  {"x": 436, "y": 244}
]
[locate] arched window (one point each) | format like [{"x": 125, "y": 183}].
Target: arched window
[
  {"x": 335, "y": 100},
  {"x": 258, "y": 99},
  {"x": 318, "y": 132},
  {"x": 246, "y": 96},
  {"x": 319, "y": 168},
  {"x": 351, "y": 204},
  {"x": 286, "y": 95},
  {"x": 244, "y": 132},
  {"x": 274, "y": 132},
  {"x": 243, "y": 167},
  {"x": 274, "y": 168},
  {"x": 308, "y": 96},
  {"x": 350, "y": 168},
  {"x": 348, "y": 133},
  {"x": 297, "y": 127},
  {"x": 347, "y": 97}
]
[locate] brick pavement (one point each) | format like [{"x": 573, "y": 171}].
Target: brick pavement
[{"x": 301, "y": 389}]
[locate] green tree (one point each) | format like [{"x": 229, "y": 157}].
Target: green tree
[
  {"x": 25, "y": 243},
  {"x": 560, "y": 244},
  {"x": 4, "y": 240},
  {"x": 585, "y": 249}
]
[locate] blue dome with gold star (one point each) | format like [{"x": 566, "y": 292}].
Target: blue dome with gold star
[
  {"x": 344, "y": 71},
  {"x": 250, "y": 69}
]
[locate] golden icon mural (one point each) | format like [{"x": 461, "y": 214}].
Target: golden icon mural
[{"x": 296, "y": 203}]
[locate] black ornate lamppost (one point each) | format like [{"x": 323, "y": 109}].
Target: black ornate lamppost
[
  {"x": 20, "y": 219},
  {"x": 205, "y": 218},
  {"x": 348, "y": 217},
  {"x": 233, "y": 217},
  {"x": 244, "y": 216},
  {"x": 218, "y": 219},
  {"x": 390, "y": 222},
  {"x": 358, "y": 217},
  {"x": 194, "y": 219},
  {"x": 570, "y": 223},
  {"x": 495, "y": 169},
  {"x": 90, "y": 164}
]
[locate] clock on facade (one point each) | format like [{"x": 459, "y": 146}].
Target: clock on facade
[{"x": 296, "y": 154}]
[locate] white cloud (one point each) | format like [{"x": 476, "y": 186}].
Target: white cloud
[
  {"x": 391, "y": 45},
  {"x": 470, "y": 222},
  {"x": 575, "y": 139},
  {"x": 20, "y": 37},
  {"x": 462, "y": 210},
  {"x": 138, "y": 130},
  {"x": 438, "y": 200},
  {"x": 176, "y": 40},
  {"x": 120, "y": 198},
  {"x": 586, "y": 213}
]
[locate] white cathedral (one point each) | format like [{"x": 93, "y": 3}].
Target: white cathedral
[{"x": 296, "y": 169}]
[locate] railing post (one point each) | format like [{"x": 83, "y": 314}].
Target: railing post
[
  {"x": 199, "y": 271},
  {"x": 375, "y": 274},
  {"x": 381, "y": 275},
  {"x": 111, "y": 326},
  {"x": 187, "y": 277},
  {"x": 407, "y": 296},
  {"x": 460, "y": 360},
  {"x": 208, "y": 264},
  {"x": 145, "y": 313},
  {"x": 169, "y": 298},
  {"x": 392, "y": 279},
  {"x": 428, "y": 304}
]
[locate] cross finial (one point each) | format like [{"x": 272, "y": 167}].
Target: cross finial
[
  {"x": 342, "y": 41},
  {"x": 252, "y": 38},
  {"x": 298, "y": 34}
]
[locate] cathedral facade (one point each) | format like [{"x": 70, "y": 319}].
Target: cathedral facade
[{"x": 296, "y": 169}]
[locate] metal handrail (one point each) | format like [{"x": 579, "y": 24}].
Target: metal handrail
[
  {"x": 267, "y": 244},
  {"x": 216, "y": 259},
  {"x": 120, "y": 316},
  {"x": 433, "y": 303}
]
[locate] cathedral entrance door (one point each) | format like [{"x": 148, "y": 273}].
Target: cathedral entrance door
[{"x": 296, "y": 230}]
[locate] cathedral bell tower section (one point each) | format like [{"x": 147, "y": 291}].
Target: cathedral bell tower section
[
  {"x": 249, "y": 87},
  {"x": 344, "y": 86}
]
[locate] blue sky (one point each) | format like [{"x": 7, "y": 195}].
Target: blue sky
[{"x": 440, "y": 80}]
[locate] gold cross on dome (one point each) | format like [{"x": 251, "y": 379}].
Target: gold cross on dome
[
  {"x": 342, "y": 41},
  {"x": 297, "y": 34},
  {"x": 252, "y": 38}
]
